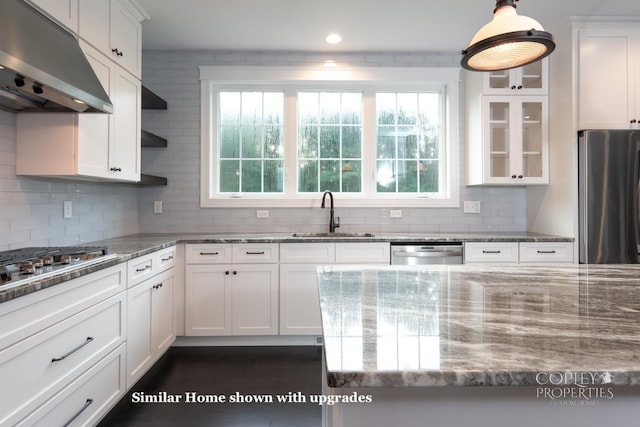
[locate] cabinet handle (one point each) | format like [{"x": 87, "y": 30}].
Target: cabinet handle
[
  {"x": 116, "y": 51},
  {"x": 513, "y": 176},
  {"x": 158, "y": 286},
  {"x": 519, "y": 87},
  {"x": 116, "y": 169},
  {"x": 491, "y": 252},
  {"x": 146, "y": 267},
  {"x": 513, "y": 87},
  {"x": 77, "y": 414},
  {"x": 255, "y": 253},
  {"x": 226, "y": 272},
  {"x": 633, "y": 121},
  {"x": 547, "y": 252},
  {"x": 235, "y": 272},
  {"x": 520, "y": 176},
  {"x": 209, "y": 253},
  {"x": 69, "y": 353},
  {"x": 169, "y": 258}
]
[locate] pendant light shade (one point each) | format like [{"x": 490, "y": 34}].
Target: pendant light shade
[{"x": 508, "y": 41}]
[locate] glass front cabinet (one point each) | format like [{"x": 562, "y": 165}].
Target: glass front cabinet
[
  {"x": 507, "y": 136},
  {"x": 530, "y": 79}
]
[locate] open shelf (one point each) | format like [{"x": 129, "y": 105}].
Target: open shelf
[
  {"x": 149, "y": 180},
  {"x": 149, "y": 139},
  {"x": 151, "y": 101}
]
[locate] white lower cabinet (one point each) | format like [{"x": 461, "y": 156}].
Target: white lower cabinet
[
  {"x": 39, "y": 366},
  {"x": 150, "y": 323},
  {"x": 87, "y": 399},
  {"x": 299, "y": 300},
  {"x": 518, "y": 252},
  {"x": 231, "y": 289}
]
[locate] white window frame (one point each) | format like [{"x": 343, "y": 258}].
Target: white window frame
[{"x": 293, "y": 79}]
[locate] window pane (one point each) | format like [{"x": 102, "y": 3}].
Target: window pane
[
  {"x": 229, "y": 176},
  {"x": 251, "y": 131},
  {"x": 408, "y": 149},
  {"x": 329, "y": 130},
  {"x": 251, "y": 176}
]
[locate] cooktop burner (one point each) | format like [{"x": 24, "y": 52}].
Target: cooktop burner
[{"x": 21, "y": 265}]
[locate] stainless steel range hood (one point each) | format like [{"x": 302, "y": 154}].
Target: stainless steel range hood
[{"x": 42, "y": 67}]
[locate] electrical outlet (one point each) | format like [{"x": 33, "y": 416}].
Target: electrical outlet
[
  {"x": 67, "y": 209},
  {"x": 471, "y": 207},
  {"x": 262, "y": 213},
  {"x": 395, "y": 213},
  {"x": 157, "y": 206}
]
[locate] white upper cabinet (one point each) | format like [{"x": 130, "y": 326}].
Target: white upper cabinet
[
  {"x": 508, "y": 129},
  {"x": 113, "y": 27},
  {"x": 530, "y": 79},
  {"x": 609, "y": 78}
]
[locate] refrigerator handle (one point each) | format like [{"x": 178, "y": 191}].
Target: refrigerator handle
[{"x": 636, "y": 199}]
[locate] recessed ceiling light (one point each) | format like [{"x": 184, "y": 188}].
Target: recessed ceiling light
[{"x": 333, "y": 38}]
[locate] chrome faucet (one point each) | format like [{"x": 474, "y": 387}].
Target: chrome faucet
[{"x": 333, "y": 222}]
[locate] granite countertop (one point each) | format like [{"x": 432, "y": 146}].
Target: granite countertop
[
  {"x": 479, "y": 325},
  {"x": 131, "y": 246}
]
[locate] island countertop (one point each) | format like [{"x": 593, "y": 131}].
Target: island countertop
[{"x": 479, "y": 325}]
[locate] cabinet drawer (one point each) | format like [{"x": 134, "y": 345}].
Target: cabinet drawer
[
  {"x": 30, "y": 314},
  {"x": 165, "y": 258},
  {"x": 41, "y": 365},
  {"x": 208, "y": 253},
  {"x": 86, "y": 399},
  {"x": 491, "y": 252},
  {"x": 255, "y": 253},
  {"x": 363, "y": 253},
  {"x": 141, "y": 268},
  {"x": 307, "y": 253},
  {"x": 546, "y": 252}
]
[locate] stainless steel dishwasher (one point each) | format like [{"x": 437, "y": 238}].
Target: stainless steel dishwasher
[{"x": 426, "y": 253}]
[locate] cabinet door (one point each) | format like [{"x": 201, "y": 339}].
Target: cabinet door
[
  {"x": 162, "y": 314},
  {"x": 530, "y": 79},
  {"x": 254, "y": 296},
  {"x": 94, "y": 130},
  {"x": 125, "y": 38},
  {"x": 516, "y": 140},
  {"x": 299, "y": 300},
  {"x": 93, "y": 25},
  {"x": 63, "y": 11},
  {"x": 606, "y": 78},
  {"x": 139, "y": 347},
  {"x": 532, "y": 144},
  {"x": 124, "y": 161},
  {"x": 208, "y": 300}
]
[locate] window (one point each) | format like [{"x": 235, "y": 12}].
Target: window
[{"x": 379, "y": 137}]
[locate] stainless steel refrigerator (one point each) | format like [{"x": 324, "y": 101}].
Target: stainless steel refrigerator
[{"x": 608, "y": 173}]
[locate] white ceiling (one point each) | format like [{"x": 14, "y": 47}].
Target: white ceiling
[{"x": 365, "y": 25}]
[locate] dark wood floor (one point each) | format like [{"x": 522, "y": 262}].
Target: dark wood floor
[{"x": 226, "y": 371}]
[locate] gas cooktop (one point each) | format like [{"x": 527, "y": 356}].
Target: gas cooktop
[{"x": 18, "y": 266}]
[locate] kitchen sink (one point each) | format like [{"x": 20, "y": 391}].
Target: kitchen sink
[{"x": 337, "y": 235}]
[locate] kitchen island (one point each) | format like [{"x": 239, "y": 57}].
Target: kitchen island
[{"x": 485, "y": 345}]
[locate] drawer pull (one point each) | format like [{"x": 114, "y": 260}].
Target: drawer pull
[
  {"x": 64, "y": 356},
  {"x": 86, "y": 405},
  {"x": 146, "y": 267},
  {"x": 209, "y": 253},
  {"x": 547, "y": 252},
  {"x": 255, "y": 253},
  {"x": 491, "y": 252},
  {"x": 158, "y": 286},
  {"x": 169, "y": 258}
]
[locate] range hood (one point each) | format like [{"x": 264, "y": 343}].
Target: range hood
[{"x": 42, "y": 67}]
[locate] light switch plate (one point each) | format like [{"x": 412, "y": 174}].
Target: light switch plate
[
  {"x": 262, "y": 213},
  {"x": 157, "y": 206},
  {"x": 67, "y": 209}
]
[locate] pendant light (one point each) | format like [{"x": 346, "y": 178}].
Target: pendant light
[{"x": 508, "y": 41}]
